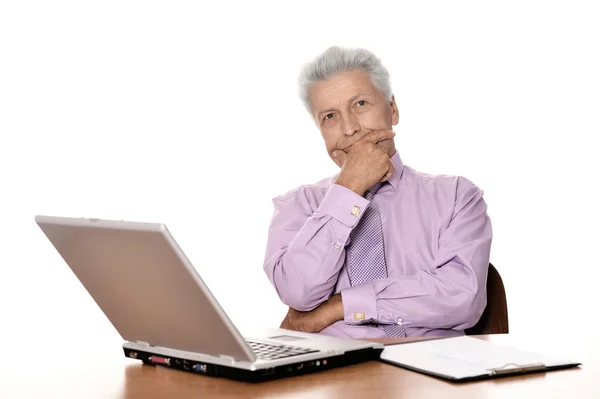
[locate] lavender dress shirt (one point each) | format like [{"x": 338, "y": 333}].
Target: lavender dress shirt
[{"x": 437, "y": 238}]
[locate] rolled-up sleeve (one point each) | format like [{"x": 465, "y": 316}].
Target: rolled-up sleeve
[
  {"x": 305, "y": 248},
  {"x": 451, "y": 293}
]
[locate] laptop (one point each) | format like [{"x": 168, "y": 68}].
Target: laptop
[{"x": 167, "y": 316}]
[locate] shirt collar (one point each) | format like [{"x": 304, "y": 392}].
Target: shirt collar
[{"x": 394, "y": 180}]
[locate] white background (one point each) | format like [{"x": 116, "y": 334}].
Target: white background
[{"x": 187, "y": 114}]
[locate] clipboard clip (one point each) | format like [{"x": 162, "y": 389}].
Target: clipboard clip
[{"x": 510, "y": 368}]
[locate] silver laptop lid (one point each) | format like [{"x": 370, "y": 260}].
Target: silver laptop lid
[{"x": 145, "y": 285}]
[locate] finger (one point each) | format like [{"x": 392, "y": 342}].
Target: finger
[
  {"x": 378, "y": 135},
  {"x": 286, "y": 320},
  {"x": 284, "y": 323},
  {"x": 340, "y": 157},
  {"x": 389, "y": 173}
]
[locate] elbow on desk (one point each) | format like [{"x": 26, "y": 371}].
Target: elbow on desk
[
  {"x": 296, "y": 298},
  {"x": 290, "y": 288},
  {"x": 471, "y": 310},
  {"x": 292, "y": 296}
]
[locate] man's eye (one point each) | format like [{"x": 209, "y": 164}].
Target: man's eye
[
  {"x": 328, "y": 116},
  {"x": 362, "y": 103}
]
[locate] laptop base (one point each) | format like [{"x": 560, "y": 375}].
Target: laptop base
[{"x": 215, "y": 370}]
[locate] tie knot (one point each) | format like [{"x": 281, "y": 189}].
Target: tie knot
[{"x": 372, "y": 191}]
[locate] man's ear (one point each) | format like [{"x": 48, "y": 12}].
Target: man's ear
[{"x": 395, "y": 112}]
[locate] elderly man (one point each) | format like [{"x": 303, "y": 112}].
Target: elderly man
[{"x": 378, "y": 250}]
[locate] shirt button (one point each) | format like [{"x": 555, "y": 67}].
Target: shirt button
[
  {"x": 400, "y": 321},
  {"x": 337, "y": 245}
]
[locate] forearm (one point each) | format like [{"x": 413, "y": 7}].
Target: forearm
[
  {"x": 303, "y": 263},
  {"x": 316, "y": 320},
  {"x": 335, "y": 309},
  {"x": 305, "y": 272},
  {"x": 439, "y": 301}
]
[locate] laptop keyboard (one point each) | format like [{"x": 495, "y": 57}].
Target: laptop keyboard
[{"x": 271, "y": 352}]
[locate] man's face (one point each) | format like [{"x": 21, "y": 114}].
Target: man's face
[{"x": 348, "y": 106}]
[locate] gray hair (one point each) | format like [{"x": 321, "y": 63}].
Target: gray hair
[{"x": 336, "y": 60}]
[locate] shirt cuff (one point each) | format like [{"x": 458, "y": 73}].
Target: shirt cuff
[
  {"x": 359, "y": 304},
  {"x": 343, "y": 204}
]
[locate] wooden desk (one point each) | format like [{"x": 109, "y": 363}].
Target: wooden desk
[{"x": 99, "y": 372}]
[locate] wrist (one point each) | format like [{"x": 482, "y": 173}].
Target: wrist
[
  {"x": 335, "y": 308},
  {"x": 357, "y": 188}
]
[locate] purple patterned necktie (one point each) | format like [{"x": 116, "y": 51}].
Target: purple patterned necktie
[{"x": 366, "y": 256}]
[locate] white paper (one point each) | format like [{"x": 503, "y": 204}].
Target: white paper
[{"x": 462, "y": 357}]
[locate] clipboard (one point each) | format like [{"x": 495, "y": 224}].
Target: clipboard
[{"x": 463, "y": 359}]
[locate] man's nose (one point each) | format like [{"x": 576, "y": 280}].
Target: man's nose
[{"x": 351, "y": 126}]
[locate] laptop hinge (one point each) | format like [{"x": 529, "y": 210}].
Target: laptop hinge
[{"x": 143, "y": 343}]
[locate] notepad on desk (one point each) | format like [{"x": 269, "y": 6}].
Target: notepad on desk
[{"x": 467, "y": 359}]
